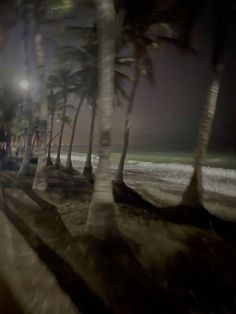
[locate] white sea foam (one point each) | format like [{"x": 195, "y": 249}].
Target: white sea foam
[{"x": 217, "y": 180}]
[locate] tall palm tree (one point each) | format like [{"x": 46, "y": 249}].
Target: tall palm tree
[
  {"x": 69, "y": 167},
  {"x": 42, "y": 9},
  {"x": 60, "y": 81},
  {"x": 82, "y": 87},
  {"x": 28, "y": 109},
  {"x": 64, "y": 120},
  {"x": 88, "y": 168},
  {"x": 193, "y": 196},
  {"x": 85, "y": 57},
  {"x": 142, "y": 65},
  {"x": 87, "y": 88},
  {"x": 40, "y": 178},
  {"x": 144, "y": 27},
  {"x": 101, "y": 218},
  {"x": 53, "y": 106}
]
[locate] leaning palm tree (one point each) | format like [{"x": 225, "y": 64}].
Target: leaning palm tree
[
  {"x": 27, "y": 101},
  {"x": 86, "y": 87},
  {"x": 88, "y": 168},
  {"x": 85, "y": 57},
  {"x": 77, "y": 57},
  {"x": 60, "y": 81},
  {"x": 142, "y": 65},
  {"x": 64, "y": 119},
  {"x": 101, "y": 218},
  {"x": 40, "y": 178},
  {"x": 69, "y": 167},
  {"x": 40, "y": 10},
  {"x": 53, "y": 105},
  {"x": 193, "y": 196}
]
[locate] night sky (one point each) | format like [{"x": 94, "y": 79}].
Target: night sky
[{"x": 166, "y": 115}]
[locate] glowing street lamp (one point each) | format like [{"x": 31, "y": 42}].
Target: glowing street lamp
[{"x": 24, "y": 85}]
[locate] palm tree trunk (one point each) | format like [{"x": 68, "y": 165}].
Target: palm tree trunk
[
  {"x": 101, "y": 218},
  {"x": 68, "y": 161},
  {"x": 119, "y": 176},
  {"x": 49, "y": 159},
  {"x": 40, "y": 178},
  {"x": 58, "y": 159},
  {"x": 88, "y": 169},
  {"x": 193, "y": 195},
  {"x": 27, "y": 149},
  {"x": 33, "y": 144},
  {"x": 28, "y": 108}
]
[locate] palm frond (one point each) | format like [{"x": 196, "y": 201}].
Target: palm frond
[
  {"x": 75, "y": 54},
  {"x": 146, "y": 68},
  {"x": 84, "y": 33},
  {"x": 120, "y": 76},
  {"x": 120, "y": 90}
]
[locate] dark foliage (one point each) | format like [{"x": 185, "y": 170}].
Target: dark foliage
[{"x": 140, "y": 15}]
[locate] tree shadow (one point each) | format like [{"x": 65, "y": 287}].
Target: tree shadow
[
  {"x": 203, "y": 278},
  {"x": 8, "y": 302},
  {"x": 128, "y": 287},
  {"x": 67, "y": 277},
  {"x": 124, "y": 194},
  {"x": 180, "y": 214}
]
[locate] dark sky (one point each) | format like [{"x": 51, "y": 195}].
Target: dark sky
[{"x": 166, "y": 116}]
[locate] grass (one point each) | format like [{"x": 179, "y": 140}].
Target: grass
[{"x": 220, "y": 160}]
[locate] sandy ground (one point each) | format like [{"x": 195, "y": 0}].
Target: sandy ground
[
  {"x": 197, "y": 266},
  {"x": 193, "y": 265},
  {"x": 164, "y": 184}
]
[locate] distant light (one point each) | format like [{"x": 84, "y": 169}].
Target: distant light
[
  {"x": 155, "y": 45},
  {"x": 24, "y": 85}
]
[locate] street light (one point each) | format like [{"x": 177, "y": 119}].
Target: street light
[{"x": 24, "y": 85}]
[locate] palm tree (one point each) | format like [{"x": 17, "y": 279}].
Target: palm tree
[
  {"x": 82, "y": 87},
  {"x": 88, "y": 168},
  {"x": 39, "y": 10},
  {"x": 144, "y": 31},
  {"x": 142, "y": 65},
  {"x": 85, "y": 57},
  {"x": 69, "y": 167},
  {"x": 101, "y": 218},
  {"x": 53, "y": 106},
  {"x": 40, "y": 178},
  {"x": 60, "y": 81},
  {"x": 28, "y": 110},
  {"x": 193, "y": 196},
  {"x": 64, "y": 119}
]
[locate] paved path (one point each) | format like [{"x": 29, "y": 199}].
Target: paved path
[{"x": 28, "y": 280}]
